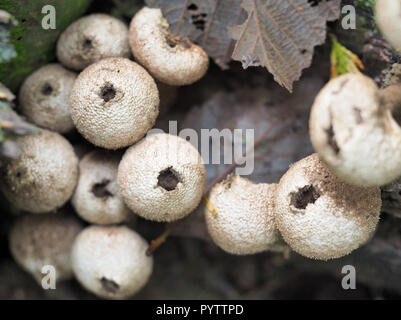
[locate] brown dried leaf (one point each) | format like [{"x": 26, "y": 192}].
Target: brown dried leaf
[
  {"x": 274, "y": 35},
  {"x": 282, "y": 115},
  {"x": 204, "y": 22},
  {"x": 281, "y": 35}
]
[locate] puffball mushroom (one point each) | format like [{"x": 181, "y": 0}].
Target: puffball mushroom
[
  {"x": 45, "y": 174},
  {"x": 171, "y": 59},
  {"x": 244, "y": 220},
  {"x": 40, "y": 240},
  {"x": 320, "y": 216},
  {"x": 388, "y": 17},
  {"x": 162, "y": 177},
  {"x": 97, "y": 198},
  {"x": 92, "y": 38},
  {"x": 114, "y": 102},
  {"x": 353, "y": 128},
  {"x": 44, "y": 97},
  {"x": 111, "y": 261}
]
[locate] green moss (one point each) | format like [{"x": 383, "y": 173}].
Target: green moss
[
  {"x": 33, "y": 44},
  {"x": 367, "y": 4}
]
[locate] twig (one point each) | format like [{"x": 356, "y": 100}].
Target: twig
[{"x": 160, "y": 239}]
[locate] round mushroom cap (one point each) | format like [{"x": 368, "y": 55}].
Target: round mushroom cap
[
  {"x": 388, "y": 17},
  {"x": 37, "y": 241},
  {"x": 114, "y": 102},
  {"x": 171, "y": 59},
  {"x": 162, "y": 177},
  {"x": 353, "y": 134},
  {"x": 92, "y": 38},
  {"x": 243, "y": 221},
  {"x": 45, "y": 174},
  {"x": 321, "y": 217},
  {"x": 44, "y": 97},
  {"x": 111, "y": 261},
  {"x": 97, "y": 197}
]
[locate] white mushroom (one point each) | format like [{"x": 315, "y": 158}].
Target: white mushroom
[
  {"x": 321, "y": 217},
  {"x": 388, "y": 14},
  {"x": 114, "y": 102},
  {"x": 171, "y": 59},
  {"x": 44, "y": 97},
  {"x": 354, "y": 129},
  {"x": 97, "y": 198},
  {"x": 111, "y": 261},
  {"x": 45, "y": 174},
  {"x": 37, "y": 241},
  {"x": 243, "y": 221},
  {"x": 162, "y": 177},
  {"x": 92, "y": 38}
]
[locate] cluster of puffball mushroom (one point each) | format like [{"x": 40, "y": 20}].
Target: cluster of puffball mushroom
[
  {"x": 325, "y": 206},
  {"x": 113, "y": 102}
]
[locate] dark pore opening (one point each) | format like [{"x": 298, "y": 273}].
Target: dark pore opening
[
  {"x": 331, "y": 140},
  {"x": 87, "y": 43},
  {"x": 109, "y": 285},
  {"x": 168, "y": 179},
  {"x": 47, "y": 89},
  {"x": 107, "y": 92},
  {"x": 304, "y": 196},
  {"x": 171, "y": 42},
  {"x": 100, "y": 189}
]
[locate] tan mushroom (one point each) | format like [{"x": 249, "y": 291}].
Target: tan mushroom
[
  {"x": 44, "y": 97},
  {"x": 97, "y": 197},
  {"x": 114, "y": 102},
  {"x": 92, "y": 38},
  {"x": 388, "y": 17},
  {"x": 355, "y": 129},
  {"x": 111, "y": 261},
  {"x": 321, "y": 217},
  {"x": 45, "y": 174},
  {"x": 162, "y": 177},
  {"x": 171, "y": 59},
  {"x": 242, "y": 220},
  {"x": 37, "y": 241}
]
